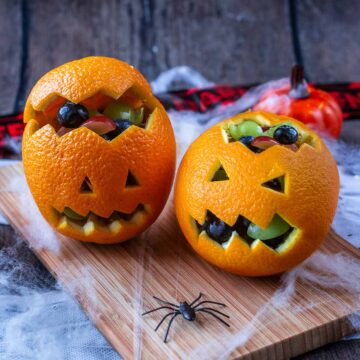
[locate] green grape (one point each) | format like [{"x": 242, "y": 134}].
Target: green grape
[
  {"x": 270, "y": 132},
  {"x": 138, "y": 116},
  {"x": 122, "y": 111},
  {"x": 250, "y": 128},
  {"x": 117, "y": 111},
  {"x": 234, "y": 131},
  {"x": 73, "y": 215},
  {"x": 277, "y": 227}
]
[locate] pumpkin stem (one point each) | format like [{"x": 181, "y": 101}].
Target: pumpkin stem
[{"x": 298, "y": 83}]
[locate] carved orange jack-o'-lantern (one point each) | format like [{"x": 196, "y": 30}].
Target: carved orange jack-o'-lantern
[
  {"x": 256, "y": 194},
  {"x": 87, "y": 184}
]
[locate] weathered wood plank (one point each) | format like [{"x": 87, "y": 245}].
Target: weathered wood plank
[
  {"x": 329, "y": 36},
  {"x": 229, "y": 41},
  {"x": 10, "y": 53},
  {"x": 236, "y": 41},
  {"x": 60, "y": 31},
  {"x": 232, "y": 41}
]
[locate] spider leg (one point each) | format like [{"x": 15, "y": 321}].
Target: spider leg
[
  {"x": 215, "y": 316},
  {"x": 214, "y": 310},
  {"x": 165, "y": 302},
  {"x": 168, "y": 328},
  {"x": 159, "y": 308},
  {"x": 197, "y": 299},
  {"x": 209, "y": 302},
  {"x": 163, "y": 319}
]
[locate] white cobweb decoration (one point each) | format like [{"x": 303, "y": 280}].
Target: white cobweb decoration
[{"x": 39, "y": 320}]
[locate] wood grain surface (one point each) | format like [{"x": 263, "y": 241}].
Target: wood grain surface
[
  {"x": 233, "y": 41},
  {"x": 329, "y": 38},
  {"x": 115, "y": 284}
]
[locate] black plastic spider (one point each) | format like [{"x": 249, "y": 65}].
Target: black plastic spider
[{"x": 188, "y": 311}]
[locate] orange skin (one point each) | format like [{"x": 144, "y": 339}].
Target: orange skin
[
  {"x": 55, "y": 167},
  {"x": 319, "y": 111},
  {"x": 308, "y": 203}
]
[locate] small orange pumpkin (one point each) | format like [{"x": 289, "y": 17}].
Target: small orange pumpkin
[
  {"x": 244, "y": 196},
  {"x": 315, "y": 108},
  {"x": 86, "y": 187}
]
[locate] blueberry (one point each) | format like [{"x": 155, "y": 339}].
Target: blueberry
[
  {"x": 246, "y": 140},
  {"x": 286, "y": 134},
  {"x": 217, "y": 229},
  {"x": 72, "y": 115},
  {"x": 121, "y": 126}
]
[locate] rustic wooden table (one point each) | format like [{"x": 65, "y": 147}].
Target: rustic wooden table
[{"x": 241, "y": 41}]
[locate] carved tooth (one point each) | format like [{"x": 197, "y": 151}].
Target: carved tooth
[
  {"x": 258, "y": 243},
  {"x": 89, "y": 227},
  {"x": 289, "y": 241},
  {"x": 115, "y": 227},
  {"x": 138, "y": 218},
  {"x": 226, "y": 244},
  {"x": 259, "y": 246},
  {"x": 235, "y": 238},
  {"x": 93, "y": 225},
  {"x": 237, "y": 244},
  {"x": 65, "y": 223}
]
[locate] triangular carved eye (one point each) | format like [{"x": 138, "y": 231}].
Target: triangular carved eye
[
  {"x": 86, "y": 186},
  {"x": 276, "y": 184},
  {"x": 220, "y": 174},
  {"x": 131, "y": 180}
]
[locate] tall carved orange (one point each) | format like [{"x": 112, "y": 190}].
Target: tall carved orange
[{"x": 127, "y": 180}]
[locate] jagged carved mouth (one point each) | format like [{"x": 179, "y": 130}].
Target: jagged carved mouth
[
  {"x": 276, "y": 236},
  {"x": 92, "y": 222}
]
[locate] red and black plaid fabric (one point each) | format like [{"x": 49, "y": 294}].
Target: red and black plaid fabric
[
  {"x": 11, "y": 130},
  {"x": 202, "y": 100}
]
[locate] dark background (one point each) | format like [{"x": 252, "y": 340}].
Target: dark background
[{"x": 228, "y": 41}]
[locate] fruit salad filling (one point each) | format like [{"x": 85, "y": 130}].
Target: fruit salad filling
[
  {"x": 258, "y": 138},
  {"x": 108, "y": 122},
  {"x": 273, "y": 236}
]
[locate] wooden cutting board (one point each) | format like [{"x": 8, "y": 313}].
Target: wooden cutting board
[{"x": 115, "y": 284}]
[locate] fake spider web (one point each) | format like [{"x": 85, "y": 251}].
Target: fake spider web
[{"x": 38, "y": 320}]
